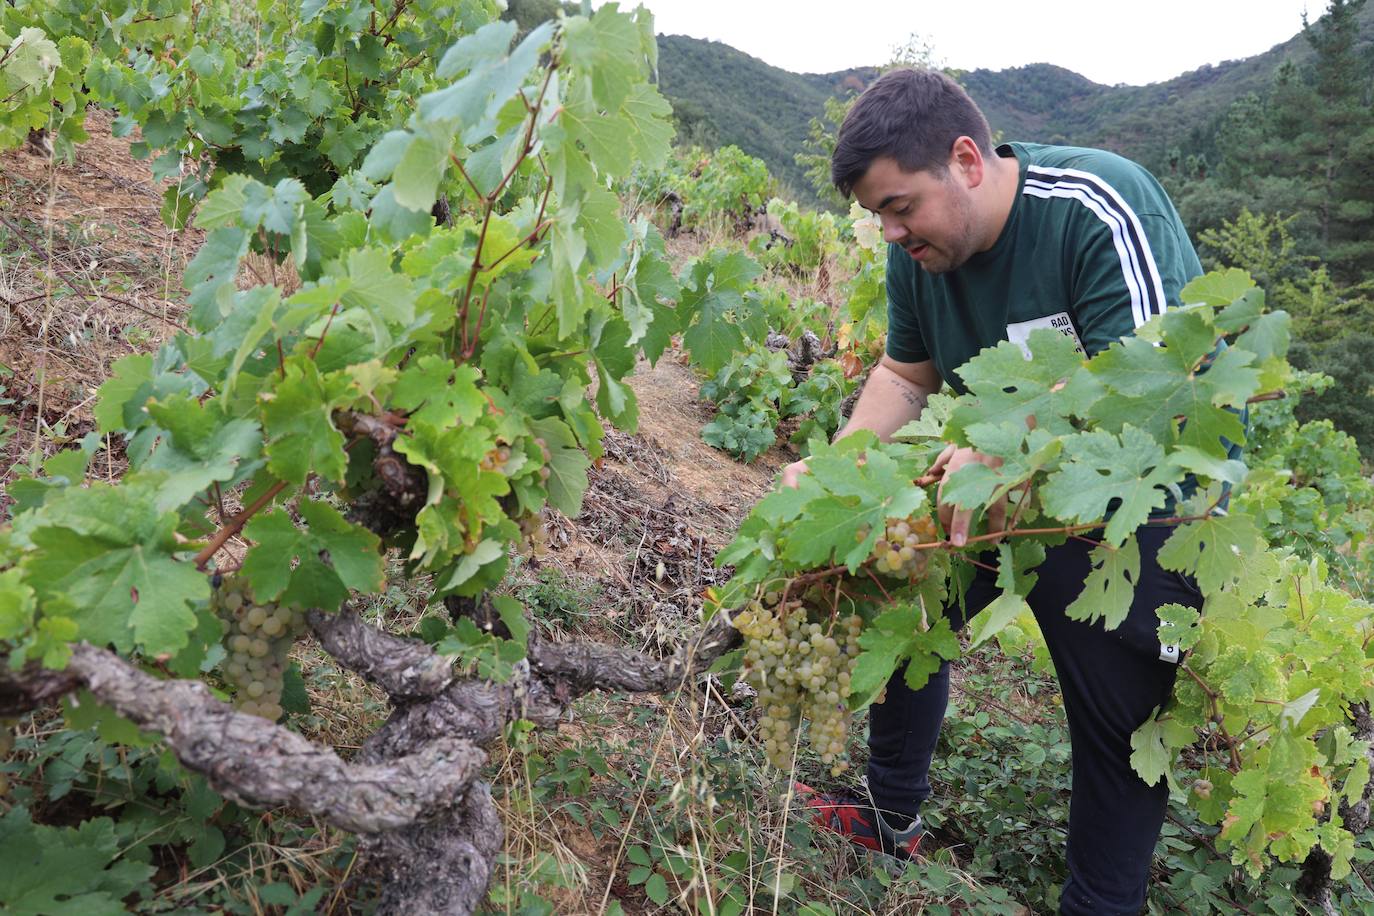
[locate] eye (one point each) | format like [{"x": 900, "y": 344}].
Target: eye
[{"x": 903, "y": 210}]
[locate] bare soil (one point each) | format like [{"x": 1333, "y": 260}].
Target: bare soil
[{"x": 88, "y": 273}]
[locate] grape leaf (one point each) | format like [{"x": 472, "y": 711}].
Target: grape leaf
[
  {"x": 1110, "y": 587},
  {"x": 899, "y": 634},
  {"x": 1267, "y": 336},
  {"x": 994, "y": 618},
  {"x": 203, "y": 447},
  {"x": 484, "y": 553},
  {"x": 448, "y": 392},
  {"x": 1219, "y": 288},
  {"x": 1178, "y": 626},
  {"x": 713, "y": 297},
  {"x": 1149, "y": 757},
  {"x": 568, "y": 466},
  {"x": 130, "y": 377},
  {"x": 849, "y": 494},
  {"x": 1157, "y": 387},
  {"x": 606, "y": 47},
  {"x": 1126, "y": 474},
  {"x": 488, "y": 42},
  {"x": 297, "y": 419},
  {"x": 17, "y": 605},
  {"x": 314, "y": 566},
  {"x": 492, "y": 656},
  {"x": 210, "y": 275},
  {"x": 646, "y": 120},
  {"x": 422, "y": 166},
  {"x": 108, "y": 552},
  {"x": 1212, "y": 550},
  {"x": 66, "y": 869},
  {"x": 1008, "y": 389}
]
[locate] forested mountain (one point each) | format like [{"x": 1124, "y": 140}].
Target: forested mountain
[
  {"x": 725, "y": 96},
  {"x": 721, "y": 95}
]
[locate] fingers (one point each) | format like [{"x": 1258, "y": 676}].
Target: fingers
[
  {"x": 945, "y": 510},
  {"x": 792, "y": 473},
  {"x": 958, "y": 526},
  {"x": 943, "y": 459},
  {"x": 956, "y": 520}
]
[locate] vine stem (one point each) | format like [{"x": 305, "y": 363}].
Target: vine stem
[
  {"x": 458, "y": 164},
  {"x": 235, "y": 524},
  {"x": 395, "y": 14},
  {"x": 1070, "y": 530},
  {"x": 1212, "y": 696},
  {"x": 880, "y": 586},
  {"x": 319, "y": 343},
  {"x": 469, "y": 344},
  {"x": 981, "y": 565},
  {"x": 1021, "y": 505}
]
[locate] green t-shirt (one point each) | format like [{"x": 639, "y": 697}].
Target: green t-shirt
[{"x": 1092, "y": 247}]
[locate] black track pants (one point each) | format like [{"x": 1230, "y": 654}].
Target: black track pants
[{"x": 1111, "y": 681}]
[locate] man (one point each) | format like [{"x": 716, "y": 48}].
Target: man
[{"x": 986, "y": 245}]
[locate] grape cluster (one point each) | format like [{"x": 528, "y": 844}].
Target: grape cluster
[
  {"x": 896, "y": 552},
  {"x": 495, "y": 459},
  {"x": 801, "y": 668},
  {"x": 258, "y": 637},
  {"x": 498, "y": 458}
]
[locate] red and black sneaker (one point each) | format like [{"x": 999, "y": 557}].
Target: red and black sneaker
[{"x": 856, "y": 818}]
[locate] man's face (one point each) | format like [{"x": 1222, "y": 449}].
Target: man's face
[{"x": 930, "y": 215}]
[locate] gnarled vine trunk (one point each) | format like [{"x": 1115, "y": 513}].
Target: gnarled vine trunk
[{"x": 415, "y": 792}]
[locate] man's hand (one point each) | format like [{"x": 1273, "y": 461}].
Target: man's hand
[
  {"x": 954, "y": 519},
  {"x": 793, "y": 472}
]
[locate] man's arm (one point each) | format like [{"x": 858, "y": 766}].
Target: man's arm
[{"x": 894, "y": 395}]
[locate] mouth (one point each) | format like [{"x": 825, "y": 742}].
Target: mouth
[{"x": 918, "y": 252}]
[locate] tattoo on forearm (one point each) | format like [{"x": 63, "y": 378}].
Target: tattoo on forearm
[{"x": 916, "y": 400}]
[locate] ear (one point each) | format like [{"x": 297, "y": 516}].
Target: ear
[{"x": 966, "y": 162}]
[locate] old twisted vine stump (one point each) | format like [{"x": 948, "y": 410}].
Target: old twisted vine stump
[{"x": 415, "y": 793}]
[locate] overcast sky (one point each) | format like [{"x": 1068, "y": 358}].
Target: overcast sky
[{"x": 1109, "y": 41}]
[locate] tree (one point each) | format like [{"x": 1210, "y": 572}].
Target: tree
[
  {"x": 1349, "y": 403},
  {"x": 1323, "y": 128},
  {"x": 819, "y": 146}
]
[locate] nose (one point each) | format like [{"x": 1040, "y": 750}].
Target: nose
[{"x": 893, "y": 230}]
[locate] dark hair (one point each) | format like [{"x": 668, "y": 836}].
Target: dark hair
[{"x": 912, "y": 116}]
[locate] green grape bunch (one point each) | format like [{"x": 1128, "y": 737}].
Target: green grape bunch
[
  {"x": 801, "y": 663},
  {"x": 258, "y": 637},
  {"x": 898, "y": 552}
]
